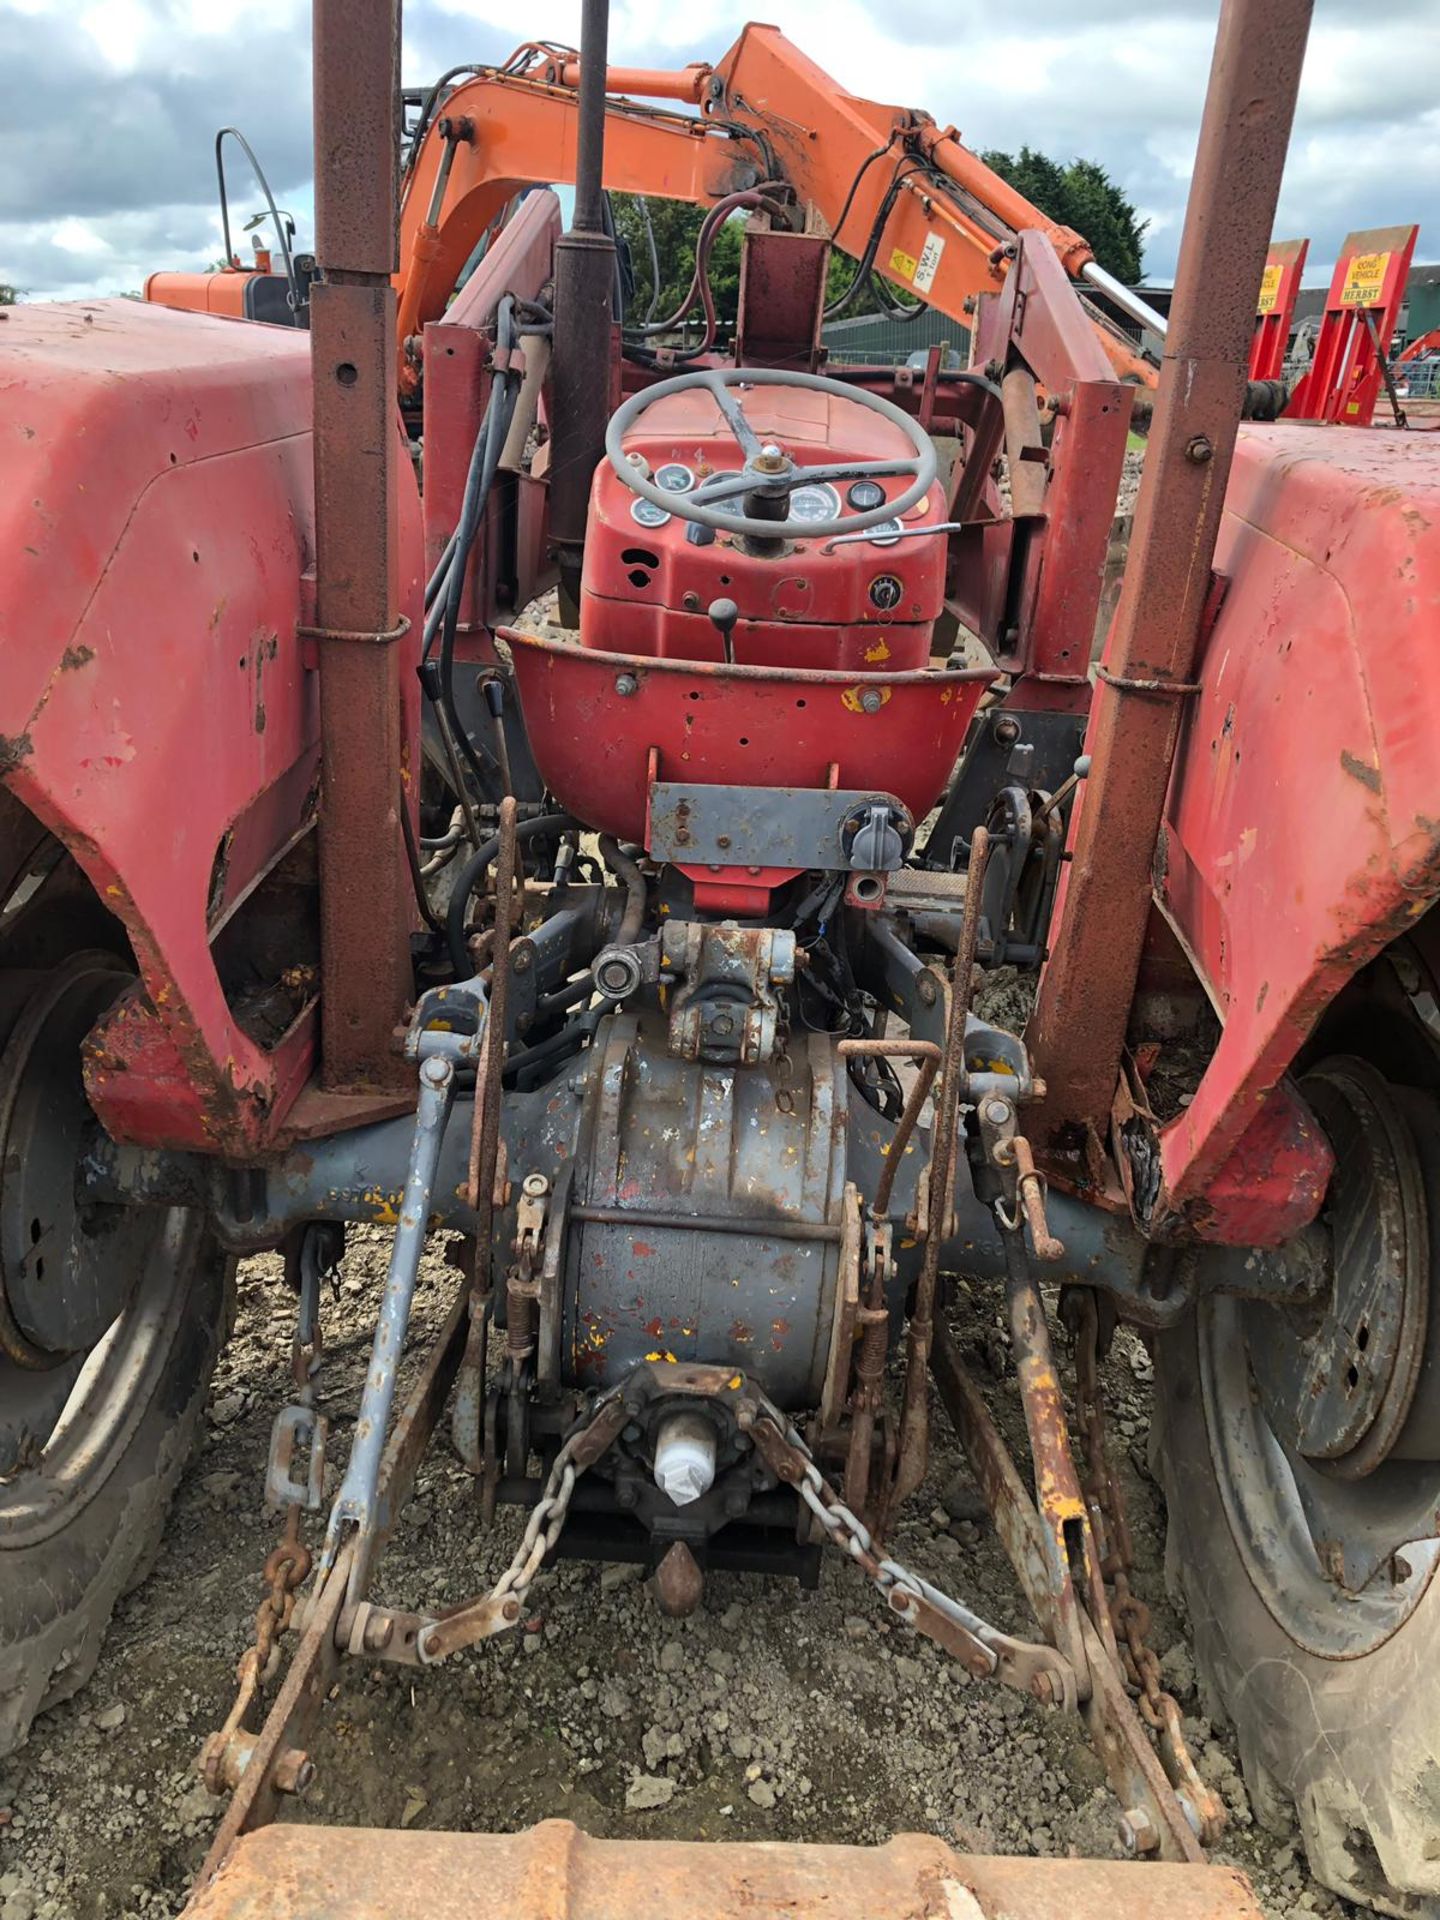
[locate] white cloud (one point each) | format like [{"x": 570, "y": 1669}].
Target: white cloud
[{"x": 1115, "y": 81}]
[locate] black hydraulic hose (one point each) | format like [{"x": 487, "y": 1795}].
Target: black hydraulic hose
[
  {"x": 905, "y": 166},
  {"x": 417, "y": 878},
  {"x": 473, "y": 872},
  {"x": 484, "y": 461},
  {"x": 427, "y": 114},
  {"x": 699, "y": 288},
  {"x": 628, "y": 871},
  {"x": 437, "y": 578}
]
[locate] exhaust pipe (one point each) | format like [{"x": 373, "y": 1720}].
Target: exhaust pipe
[{"x": 584, "y": 317}]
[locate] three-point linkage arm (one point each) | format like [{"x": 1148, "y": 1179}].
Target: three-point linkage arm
[{"x": 891, "y": 186}]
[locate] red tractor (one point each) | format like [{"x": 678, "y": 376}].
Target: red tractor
[{"x": 646, "y": 946}]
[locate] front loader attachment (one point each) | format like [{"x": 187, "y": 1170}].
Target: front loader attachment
[{"x": 556, "y": 1872}]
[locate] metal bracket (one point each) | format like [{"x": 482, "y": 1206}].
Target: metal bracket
[
  {"x": 802, "y": 827},
  {"x": 297, "y": 1429}
]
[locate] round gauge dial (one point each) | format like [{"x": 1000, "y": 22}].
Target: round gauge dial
[
  {"x": 865, "y": 495},
  {"x": 820, "y": 502},
  {"x": 646, "y": 514},
  {"x": 885, "y": 534},
  {"x": 674, "y": 478}
]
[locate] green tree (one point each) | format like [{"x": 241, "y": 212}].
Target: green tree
[
  {"x": 8, "y": 295},
  {"x": 1082, "y": 196}
]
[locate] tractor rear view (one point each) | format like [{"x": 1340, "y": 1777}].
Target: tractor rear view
[{"x": 643, "y": 945}]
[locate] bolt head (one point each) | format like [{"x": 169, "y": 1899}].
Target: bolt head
[
  {"x": 1198, "y": 450},
  {"x": 1137, "y": 1831},
  {"x": 872, "y": 700},
  {"x": 626, "y": 684},
  {"x": 294, "y": 1771}
]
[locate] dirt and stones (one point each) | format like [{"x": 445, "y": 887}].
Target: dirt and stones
[{"x": 771, "y": 1713}]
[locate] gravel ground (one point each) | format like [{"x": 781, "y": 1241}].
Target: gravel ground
[{"x": 771, "y": 1713}]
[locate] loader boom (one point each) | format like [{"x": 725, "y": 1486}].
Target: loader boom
[{"x": 885, "y": 183}]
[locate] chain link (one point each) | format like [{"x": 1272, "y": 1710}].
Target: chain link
[
  {"x": 542, "y": 1529},
  {"x": 847, "y": 1531},
  {"x": 502, "y": 1606}
]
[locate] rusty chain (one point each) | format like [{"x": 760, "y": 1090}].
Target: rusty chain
[
  {"x": 982, "y": 1649},
  {"x": 1128, "y": 1612},
  {"x": 505, "y": 1602},
  {"x": 288, "y": 1563},
  {"x": 287, "y": 1566}
]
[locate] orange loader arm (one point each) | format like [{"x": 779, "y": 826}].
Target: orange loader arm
[{"x": 766, "y": 112}]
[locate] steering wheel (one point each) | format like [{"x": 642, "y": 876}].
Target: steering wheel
[{"x": 767, "y": 469}]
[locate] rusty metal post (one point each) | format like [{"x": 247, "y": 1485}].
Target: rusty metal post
[
  {"x": 584, "y": 286},
  {"x": 1078, "y": 1028},
  {"x": 366, "y": 911}
]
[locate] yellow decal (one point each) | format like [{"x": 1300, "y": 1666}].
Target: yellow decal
[
  {"x": 874, "y": 655},
  {"x": 903, "y": 263},
  {"x": 1364, "y": 277},
  {"x": 1270, "y": 287}
]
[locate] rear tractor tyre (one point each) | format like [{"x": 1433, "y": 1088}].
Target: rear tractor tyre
[
  {"x": 1330, "y": 1678},
  {"x": 110, "y": 1322}
]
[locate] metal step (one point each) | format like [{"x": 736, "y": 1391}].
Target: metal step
[{"x": 555, "y": 1872}]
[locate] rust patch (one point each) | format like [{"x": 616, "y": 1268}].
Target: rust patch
[
  {"x": 641, "y": 1249},
  {"x": 74, "y": 657},
  {"x": 15, "y": 750},
  {"x": 1360, "y": 770},
  {"x": 266, "y": 648}
]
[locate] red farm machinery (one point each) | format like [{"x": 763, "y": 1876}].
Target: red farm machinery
[{"x": 644, "y": 945}]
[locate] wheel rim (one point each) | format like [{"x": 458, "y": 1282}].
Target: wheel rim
[
  {"x": 1304, "y": 1405},
  {"x": 88, "y": 1294}
]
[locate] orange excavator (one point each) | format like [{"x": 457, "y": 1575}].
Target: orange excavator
[{"x": 904, "y": 197}]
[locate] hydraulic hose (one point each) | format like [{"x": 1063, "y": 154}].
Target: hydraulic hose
[
  {"x": 473, "y": 872},
  {"x": 627, "y": 871},
  {"x": 445, "y": 589},
  {"x": 700, "y": 288}
]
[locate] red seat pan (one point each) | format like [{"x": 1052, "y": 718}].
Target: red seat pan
[{"x": 730, "y": 726}]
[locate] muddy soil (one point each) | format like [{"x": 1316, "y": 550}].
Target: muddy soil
[{"x": 771, "y": 1713}]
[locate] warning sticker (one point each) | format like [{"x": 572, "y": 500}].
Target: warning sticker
[
  {"x": 1364, "y": 277},
  {"x": 929, "y": 263},
  {"x": 1269, "y": 287},
  {"x": 903, "y": 263}
]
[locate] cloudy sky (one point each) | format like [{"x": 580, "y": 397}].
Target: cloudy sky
[{"x": 108, "y": 109}]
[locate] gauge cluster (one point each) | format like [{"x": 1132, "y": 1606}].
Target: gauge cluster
[{"x": 817, "y": 503}]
